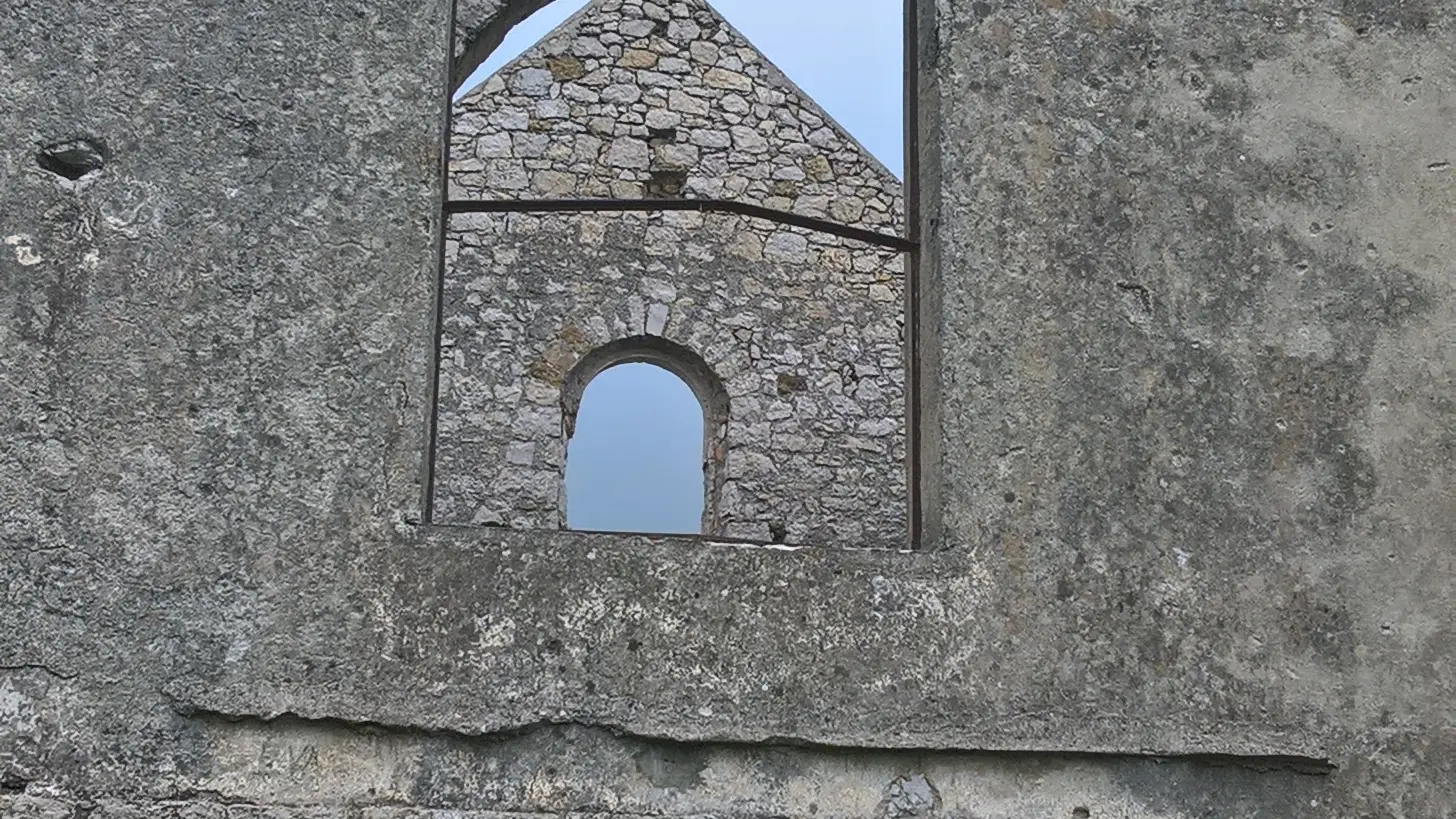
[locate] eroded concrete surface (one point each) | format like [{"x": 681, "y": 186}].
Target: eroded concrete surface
[{"x": 1193, "y": 304}]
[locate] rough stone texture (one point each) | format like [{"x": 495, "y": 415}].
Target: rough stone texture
[
  {"x": 628, "y": 90},
  {"x": 291, "y": 769},
  {"x": 213, "y": 375},
  {"x": 1195, "y": 291},
  {"x": 804, "y": 329}
]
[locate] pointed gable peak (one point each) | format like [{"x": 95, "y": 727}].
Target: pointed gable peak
[{"x": 685, "y": 57}]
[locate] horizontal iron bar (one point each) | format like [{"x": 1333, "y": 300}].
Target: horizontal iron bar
[{"x": 898, "y": 243}]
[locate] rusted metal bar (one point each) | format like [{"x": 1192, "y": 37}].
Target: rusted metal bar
[
  {"x": 913, "y": 375},
  {"x": 898, "y": 243},
  {"x": 437, "y": 317}
]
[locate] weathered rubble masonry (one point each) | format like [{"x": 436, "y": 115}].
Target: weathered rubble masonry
[
  {"x": 1187, "y": 272},
  {"x": 631, "y": 100}
]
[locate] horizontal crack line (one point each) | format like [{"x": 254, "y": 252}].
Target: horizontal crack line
[
  {"x": 1286, "y": 763},
  {"x": 898, "y": 243},
  {"x": 45, "y": 669}
]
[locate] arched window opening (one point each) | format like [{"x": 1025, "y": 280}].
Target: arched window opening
[{"x": 635, "y": 463}]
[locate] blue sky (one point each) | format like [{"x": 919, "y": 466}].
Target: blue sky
[
  {"x": 635, "y": 464},
  {"x": 636, "y": 461}
]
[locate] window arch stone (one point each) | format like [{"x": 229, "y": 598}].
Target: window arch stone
[{"x": 481, "y": 26}]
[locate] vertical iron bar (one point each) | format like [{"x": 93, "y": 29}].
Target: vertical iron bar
[
  {"x": 913, "y": 375},
  {"x": 442, "y": 230}
]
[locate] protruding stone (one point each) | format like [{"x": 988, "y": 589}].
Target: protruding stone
[
  {"x": 731, "y": 80},
  {"x": 521, "y": 454},
  {"x": 622, "y": 93},
  {"x": 660, "y": 118},
  {"x": 657, "y": 319},
  {"x": 786, "y": 247},
  {"x": 532, "y": 82},
  {"x": 686, "y": 103},
  {"x": 628, "y": 153},
  {"x": 819, "y": 169}
]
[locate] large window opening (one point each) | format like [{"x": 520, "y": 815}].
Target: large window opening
[
  {"x": 622, "y": 170},
  {"x": 635, "y": 463}
]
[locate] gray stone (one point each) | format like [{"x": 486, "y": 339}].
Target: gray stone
[
  {"x": 622, "y": 93},
  {"x": 685, "y": 103},
  {"x": 531, "y": 81},
  {"x": 521, "y": 454},
  {"x": 784, "y": 246},
  {"x": 747, "y": 139},
  {"x": 710, "y": 138},
  {"x": 725, "y": 79},
  {"x": 627, "y": 153},
  {"x": 662, "y": 118}
]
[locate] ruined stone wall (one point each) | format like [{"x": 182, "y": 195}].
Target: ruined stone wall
[
  {"x": 1197, "y": 484},
  {"x": 630, "y": 100}
]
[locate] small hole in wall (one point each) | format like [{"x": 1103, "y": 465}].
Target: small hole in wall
[
  {"x": 12, "y": 783},
  {"x": 666, "y": 184},
  {"x": 1081, "y": 813},
  {"x": 73, "y": 158}
]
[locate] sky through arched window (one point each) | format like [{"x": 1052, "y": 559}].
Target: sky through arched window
[{"x": 635, "y": 463}]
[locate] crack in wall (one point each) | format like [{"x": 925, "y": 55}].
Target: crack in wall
[
  {"x": 1263, "y": 763},
  {"x": 41, "y": 667}
]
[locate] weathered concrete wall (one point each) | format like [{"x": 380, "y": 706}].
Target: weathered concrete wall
[
  {"x": 1194, "y": 298},
  {"x": 295, "y": 770},
  {"x": 804, "y": 329},
  {"x": 217, "y": 349}
]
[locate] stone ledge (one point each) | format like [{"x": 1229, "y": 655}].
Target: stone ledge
[{"x": 480, "y": 632}]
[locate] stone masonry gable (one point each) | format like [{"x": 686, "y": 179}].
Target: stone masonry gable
[
  {"x": 663, "y": 99},
  {"x": 801, "y": 332}
]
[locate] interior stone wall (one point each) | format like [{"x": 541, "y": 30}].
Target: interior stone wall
[{"x": 631, "y": 100}]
